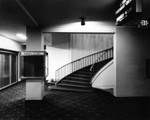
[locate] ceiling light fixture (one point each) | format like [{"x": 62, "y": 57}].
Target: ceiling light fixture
[
  {"x": 21, "y": 36},
  {"x": 82, "y": 21}
]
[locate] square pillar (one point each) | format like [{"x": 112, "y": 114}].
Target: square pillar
[{"x": 35, "y": 86}]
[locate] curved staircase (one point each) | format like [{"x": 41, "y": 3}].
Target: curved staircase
[{"x": 80, "y": 80}]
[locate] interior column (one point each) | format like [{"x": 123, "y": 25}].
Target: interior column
[{"x": 34, "y": 87}]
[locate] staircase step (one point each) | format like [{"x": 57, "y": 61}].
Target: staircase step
[
  {"x": 77, "y": 78},
  {"x": 89, "y": 73},
  {"x": 81, "y": 75},
  {"x": 70, "y": 89},
  {"x": 75, "y": 82},
  {"x": 74, "y": 85}
]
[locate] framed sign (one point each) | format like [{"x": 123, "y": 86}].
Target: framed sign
[{"x": 127, "y": 10}]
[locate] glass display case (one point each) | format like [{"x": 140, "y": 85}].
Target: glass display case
[{"x": 33, "y": 64}]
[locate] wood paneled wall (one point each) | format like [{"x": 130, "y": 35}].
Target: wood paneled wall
[{"x": 85, "y": 44}]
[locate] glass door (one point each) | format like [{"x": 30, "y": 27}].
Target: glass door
[
  {"x": 14, "y": 67},
  {"x": 8, "y": 68},
  {"x": 4, "y": 69}
]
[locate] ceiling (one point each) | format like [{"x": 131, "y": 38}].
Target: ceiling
[{"x": 16, "y": 14}]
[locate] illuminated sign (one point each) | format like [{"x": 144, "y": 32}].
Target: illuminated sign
[
  {"x": 127, "y": 9},
  {"x": 32, "y": 53},
  {"x": 144, "y": 23},
  {"x": 123, "y": 4}
]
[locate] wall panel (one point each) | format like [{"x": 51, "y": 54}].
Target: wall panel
[{"x": 85, "y": 44}]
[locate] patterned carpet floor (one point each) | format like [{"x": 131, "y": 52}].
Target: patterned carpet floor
[{"x": 62, "y": 105}]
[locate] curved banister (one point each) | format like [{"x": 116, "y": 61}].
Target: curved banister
[
  {"x": 83, "y": 62},
  {"x": 91, "y": 68},
  {"x": 105, "y": 52}
]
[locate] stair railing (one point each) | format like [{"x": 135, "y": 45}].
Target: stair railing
[
  {"x": 106, "y": 54},
  {"x": 82, "y": 62},
  {"x": 96, "y": 61}
]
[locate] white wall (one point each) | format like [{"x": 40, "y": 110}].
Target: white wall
[
  {"x": 105, "y": 78},
  {"x": 8, "y": 44},
  {"x": 85, "y": 44},
  {"x": 58, "y": 53},
  {"x": 132, "y": 48}
]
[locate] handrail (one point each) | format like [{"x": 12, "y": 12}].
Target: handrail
[
  {"x": 96, "y": 61},
  {"x": 81, "y": 58},
  {"x": 82, "y": 62}
]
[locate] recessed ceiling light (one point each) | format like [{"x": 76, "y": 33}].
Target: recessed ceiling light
[{"x": 21, "y": 36}]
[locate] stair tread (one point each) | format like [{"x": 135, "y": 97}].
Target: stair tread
[
  {"x": 75, "y": 85},
  {"x": 75, "y": 81},
  {"x": 78, "y": 78},
  {"x": 70, "y": 89},
  {"x": 82, "y": 75}
]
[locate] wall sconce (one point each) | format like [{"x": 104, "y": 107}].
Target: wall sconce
[{"x": 82, "y": 21}]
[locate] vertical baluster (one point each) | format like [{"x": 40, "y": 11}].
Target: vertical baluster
[
  {"x": 81, "y": 63},
  {"x": 78, "y": 64},
  {"x": 106, "y": 53},
  {"x": 78, "y": 67},
  {"x": 87, "y": 60},
  {"x": 90, "y": 60},
  {"x": 98, "y": 55},
  {"x": 70, "y": 68},
  {"x": 60, "y": 73},
  {"x": 65, "y": 70},
  {"x": 94, "y": 57},
  {"x": 110, "y": 53},
  {"x": 74, "y": 66},
  {"x": 84, "y": 62}
]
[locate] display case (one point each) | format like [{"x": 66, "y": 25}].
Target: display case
[{"x": 34, "y": 64}]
